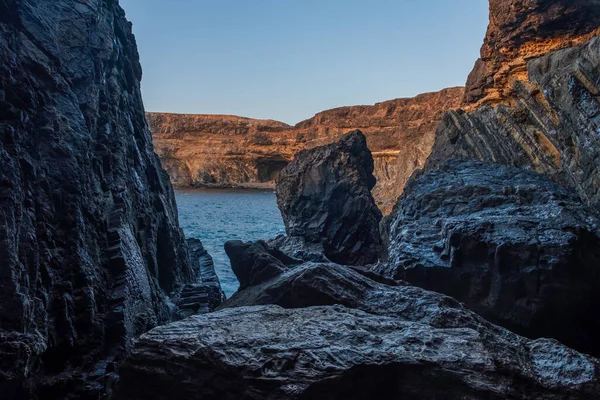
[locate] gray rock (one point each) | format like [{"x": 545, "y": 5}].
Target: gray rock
[
  {"x": 325, "y": 197},
  {"x": 511, "y": 244},
  {"x": 253, "y": 263},
  {"x": 205, "y": 295},
  {"x": 89, "y": 236},
  {"x": 367, "y": 338}
]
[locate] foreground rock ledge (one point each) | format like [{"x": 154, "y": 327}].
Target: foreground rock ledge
[
  {"x": 272, "y": 353},
  {"x": 393, "y": 341}
]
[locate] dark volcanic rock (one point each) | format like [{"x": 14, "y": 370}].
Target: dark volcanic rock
[
  {"x": 400, "y": 342},
  {"x": 89, "y": 237},
  {"x": 253, "y": 263},
  {"x": 325, "y": 197},
  {"x": 511, "y": 244},
  {"x": 203, "y": 296}
]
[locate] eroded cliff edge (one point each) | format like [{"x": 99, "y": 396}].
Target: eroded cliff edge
[
  {"x": 205, "y": 150},
  {"x": 89, "y": 238},
  {"x": 550, "y": 124}
]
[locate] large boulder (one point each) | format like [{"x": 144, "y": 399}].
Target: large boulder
[
  {"x": 397, "y": 342},
  {"x": 511, "y": 244},
  {"x": 90, "y": 243},
  {"x": 324, "y": 196}
]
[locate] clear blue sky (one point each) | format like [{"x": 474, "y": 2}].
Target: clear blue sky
[{"x": 289, "y": 59}]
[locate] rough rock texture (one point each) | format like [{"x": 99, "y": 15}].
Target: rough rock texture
[
  {"x": 216, "y": 150},
  {"x": 399, "y": 342},
  {"x": 324, "y": 196},
  {"x": 253, "y": 263},
  {"x": 552, "y": 127},
  {"x": 89, "y": 237},
  {"x": 203, "y": 296},
  {"x": 511, "y": 244},
  {"x": 521, "y": 30}
]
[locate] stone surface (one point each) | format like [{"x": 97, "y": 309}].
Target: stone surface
[
  {"x": 253, "y": 263},
  {"x": 521, "y": 30},
  {"x": 218, "y": 150},
  {"x": 552, "y": 127},
  {"x": 89, "y": 237},
  {"x": 399, "y": 342},
  {"x": 511, "y": 244},
  {"x": 324, "y": 196},
  {"x": 203, "y": 296}
]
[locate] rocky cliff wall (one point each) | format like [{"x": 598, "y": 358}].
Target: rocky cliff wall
[
  {"x": 89, "y": 237},
  {"x": 225, "y": 150},
  {"x": 552, "y": 126},
  {"x": 520, "y": 31}
]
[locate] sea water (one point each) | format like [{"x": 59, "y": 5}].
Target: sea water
[{"x": 217, "y": 215}]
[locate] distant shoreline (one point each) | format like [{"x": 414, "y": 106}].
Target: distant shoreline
[{"x": 256, "y": 187}]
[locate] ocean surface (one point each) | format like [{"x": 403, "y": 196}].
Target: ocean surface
[{"x": 217, "y": 215}]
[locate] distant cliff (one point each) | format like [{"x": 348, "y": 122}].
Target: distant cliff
[{"x": 205, "y": 150}]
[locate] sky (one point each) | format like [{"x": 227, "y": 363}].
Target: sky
[{"x": 289, "y": 59}]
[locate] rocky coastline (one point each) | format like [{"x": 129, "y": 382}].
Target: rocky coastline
[{"x": 481, "y": 283}]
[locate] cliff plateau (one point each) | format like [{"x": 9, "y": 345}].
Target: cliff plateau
[{"x": 213, "y": 150}]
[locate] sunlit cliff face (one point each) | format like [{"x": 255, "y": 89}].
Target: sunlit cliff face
[
  {"x": 520, "y": 31},
  {"x": 221, "y": 150}
]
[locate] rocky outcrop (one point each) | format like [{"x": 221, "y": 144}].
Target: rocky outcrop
[
  {"x": 398, "y": 342},
  {"x": 520, "y": 31},
  {"x": 206, "y": 294},
  {"x": 253, "y": 263},
  {"x": 214, "y": 150},
  {"x": 324, "y": 196},
  {"x": 552, "y": 127},
  {"x": 512, "y": 245},
  {"x": 89, "y": 238}
]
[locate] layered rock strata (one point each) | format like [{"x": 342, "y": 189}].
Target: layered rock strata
[
  {"x": 89, "y": 237},
  {"x": 324, "y": 196},
  {"x": 396, "y": 342},
  {"x": 213, "y": 150},
  {"x": 520, "y": 31},
  {"x": 206, "y": 294},
  {"x": 511, "y": 244},
  {"x": 549, "y": 123}
]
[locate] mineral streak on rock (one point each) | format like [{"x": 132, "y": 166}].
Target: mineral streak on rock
[
  {"x": 89, "y": 236},
  {"x": 522, "y": 30},
  {"x": 205, "y": 150},
  {"x": 324, "y": 196}
]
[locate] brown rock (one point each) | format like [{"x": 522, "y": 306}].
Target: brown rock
[
  {"x": 552, "y": 127},
  {"x": 205, "y": 150},
  {"x": 521, "y": 30}
]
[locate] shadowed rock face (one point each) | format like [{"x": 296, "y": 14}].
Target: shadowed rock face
[
  {"x": 219, "y": 150},
  {"x": 511, "y": 244},
  {"x": 324, "y": 196},
  {"x": 89, "y": 237},
  {"x": 397, "y": 342},
  {"x": 552, "y": 127},
  {"x": 521, "y": 30}
]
